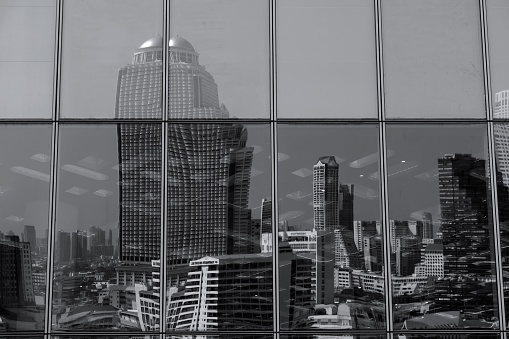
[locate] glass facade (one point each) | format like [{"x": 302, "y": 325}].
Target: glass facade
[{"x": 254, "y": 169}]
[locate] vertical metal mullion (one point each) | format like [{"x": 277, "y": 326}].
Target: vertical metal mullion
[
  {"x": 274, "y": 179},
  {"x": 53, "y": 167},
  {"x": 492, "y": 164},
  {"x": 382, "y": 145},
  {"x": 164, "y": 175}
]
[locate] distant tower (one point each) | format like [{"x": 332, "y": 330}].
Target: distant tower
[
  {"x": 64, "y": 247},
  {"x": 464, "y": 213},
  {"x": 326, "y": 194},
  {"x": 266, "y": 227},
  {"x": 346, "y": 206},
  {"x": 30, "y": 236},
  {"x": 209, "y": 165},
  {"x": 501, "y": 132},
  {"x": 427, "y": 225}
]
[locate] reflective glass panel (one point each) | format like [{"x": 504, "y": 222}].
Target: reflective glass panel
[
  {"x": 107, "y": 257},
  {"x": 27, "y": 37},
  {"x": 330, "y": 249},
  {"x": 89, "y": 336},
  {"x": 219, "y": 268},
  {"x": 220, "y": 336},
  {"x": 442, "y": 251},
  {"x": 112, "y": 59},
  {"x": 330, "y": 336},
  {"x": 25, "y": 154},
  {"x": 447, "y": 336},
  {"x": 432, "y": 57},
  {"x": 501, "y": 131},
  {"x": 230, "y": 40},
  {"x": 498, "y": 27},
  {"x": 326, "y": 60}
]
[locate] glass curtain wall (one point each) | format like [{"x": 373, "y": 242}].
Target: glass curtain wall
[{"x": 254, "y": 169}]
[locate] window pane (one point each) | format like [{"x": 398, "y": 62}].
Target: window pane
[
  {"x": 498, "y": 27},
  {"x": 101, "y": 75},
  {"x": 108, "y": 223},
  {"x": 433, "y": 64},
  {"x": 231, "y": 39},
  {"x": 325, "y": 71},
  {"x": 329, "y": 336},
  {"x": 501, "y": 132},
  {"x": 442, "y": 259},
  {"x": 25, "y": 153},
  {"x": 330, "y": 255},
  {"x": 27, "y": 34},
  {"x": 219, "y": 277}
]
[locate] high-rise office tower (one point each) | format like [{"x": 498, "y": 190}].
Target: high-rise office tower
[
  {"x": 427, "y": 225},
  {"x": 64, "y": 247},
  {"x": 464, "y": 214},
  {"x": 326, "y": 194},
  {"x": 361, "y": 229},
  {"x": 501, "y": 132},
  {"x": 30, "y": 236},
  {"x": 346, "y": 205},
  {"x": 373, "y": 254},
  {"x": 266, "y": 227},
  {"x": 408, "y": 254},
  {"x": 79, "y": 245},
  {"x": 209, "y": 165}
]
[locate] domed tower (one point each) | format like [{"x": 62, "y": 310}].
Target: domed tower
[
  {"x": 192, "y": 91},
  {"x": 209, "y": 165}
]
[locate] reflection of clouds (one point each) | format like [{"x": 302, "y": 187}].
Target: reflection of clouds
[
  {"x": 303, "y": 172},
  {"x": 396, "y": 170},
  {"x": 298, "y": 195},
  {"x": 364, "y": 192},
  {"x": 30, "y": 173},
  {"x": 368, "y": 160},
  {"x": 290, "y": 215}
]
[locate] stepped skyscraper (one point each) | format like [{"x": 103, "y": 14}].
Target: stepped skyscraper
[{"x": 209, "y": 165}]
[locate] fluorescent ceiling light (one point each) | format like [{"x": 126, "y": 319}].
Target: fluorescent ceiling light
[
  {"x": 84, "y": 172},
  {"x": 30, "y": 173}
]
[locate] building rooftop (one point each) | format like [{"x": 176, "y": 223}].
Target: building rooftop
[{"x": 175, "y": 42}]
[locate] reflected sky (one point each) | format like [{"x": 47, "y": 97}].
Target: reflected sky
[
  {"x": 414, "y": 189},
  {"x": 305, "y": 144},
  {"x": 24, "y": 178}
]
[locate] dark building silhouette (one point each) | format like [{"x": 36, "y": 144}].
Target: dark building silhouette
[
  {"x": 427, "y": 225},
  {"x": 464, "y": 214},
  {"x": 466, "y": 233},
  {"x": 63, "y": 246},
  {"x": 29, "y": 236},
  {"x": 346, "y": 205},
  {"x": 15, "y": 272},
  {"x": 79, "y": 245}
]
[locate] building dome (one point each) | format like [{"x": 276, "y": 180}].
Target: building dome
[
  {"x": 181, "y": 43},
  {"x": 155, "y": 42}
]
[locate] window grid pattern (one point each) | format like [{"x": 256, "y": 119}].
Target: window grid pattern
[{"x": 189, "y": 107}]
